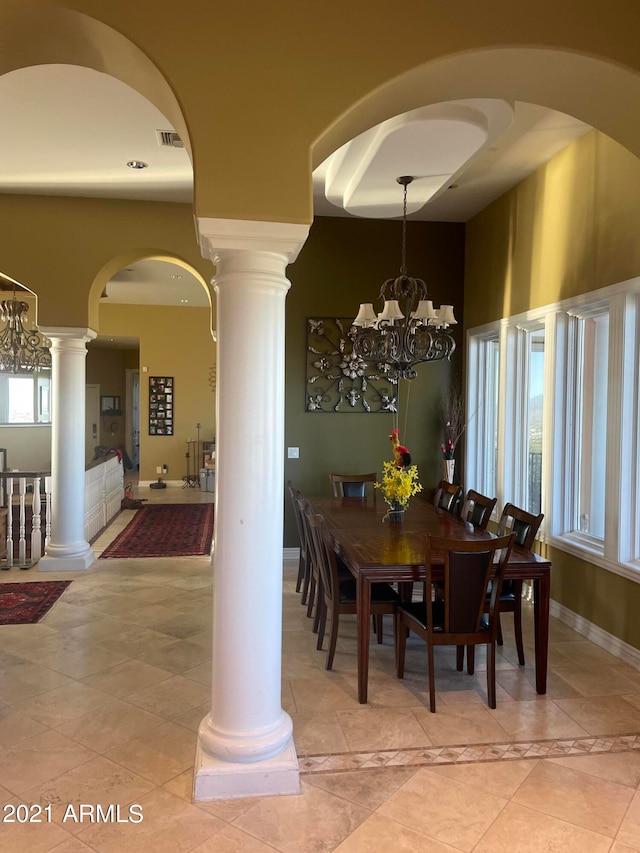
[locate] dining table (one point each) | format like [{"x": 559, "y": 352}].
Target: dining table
[{"x": 376, "y": 551}]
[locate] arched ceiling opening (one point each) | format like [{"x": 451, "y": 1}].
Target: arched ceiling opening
[{"x": 555, "y": 96}]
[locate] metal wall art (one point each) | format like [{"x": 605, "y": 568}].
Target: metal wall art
[
  {"x": 161, "y": 405},
  {"x": 338, "y": 380}
]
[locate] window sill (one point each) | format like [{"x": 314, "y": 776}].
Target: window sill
[{"x": 580, "y": 549}]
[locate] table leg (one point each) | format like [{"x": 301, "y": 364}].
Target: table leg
[
  {"x": 541, "y": 597},
  {"x": 363, "y": 598}
]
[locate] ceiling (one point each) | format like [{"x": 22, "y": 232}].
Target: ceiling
[{"x": 73, "y": 131}]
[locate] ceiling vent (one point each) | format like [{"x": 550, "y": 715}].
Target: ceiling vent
[{"x": 169, "y": 139}]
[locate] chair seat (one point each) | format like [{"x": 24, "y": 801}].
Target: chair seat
[
  {"x": 381, "y": 593},
  {"x": 418, "y": 611}
]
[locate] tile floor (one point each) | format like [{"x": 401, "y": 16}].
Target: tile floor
[{"x": 100, "y": 704}]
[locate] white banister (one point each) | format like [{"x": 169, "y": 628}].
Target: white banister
[
  {"x": 10, "y": 521},
  {"x": 104, "y": 490},
  {"x": 36, "y": 525},
  {"x": 22, "y": 540}
]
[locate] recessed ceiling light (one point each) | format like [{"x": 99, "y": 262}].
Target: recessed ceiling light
[
  {"x": 184, "y": 301},
  {"x": 137, "y": 164}
]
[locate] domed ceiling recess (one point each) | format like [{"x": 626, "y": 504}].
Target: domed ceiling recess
[{"x": 480, "y": 147}]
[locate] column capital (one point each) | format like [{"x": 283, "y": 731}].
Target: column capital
[
  {"x": 281, "y": 238},
  {"x": 68, "y": 333}
]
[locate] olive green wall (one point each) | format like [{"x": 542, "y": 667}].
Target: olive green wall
[
  {"x": 569, "y": 228},
  {"x": 174, "y": 341},
  {"x": 106, "y": 368},
  {"x": 344, "y": 262}
]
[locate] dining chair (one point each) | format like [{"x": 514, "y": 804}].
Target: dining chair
[
  {"x": 458, "y": 618},
  {"x": 338, "y": 593},
  {"x": 303, "y": 563},
  {"x": 477, "y": 509},
  {"x": 524, "y": 525},
  {"x": 448, "y": 497},
  {"x": 310, "y": 588},
  {"x": 312, "y": 592},
  {"x": 351, "y": 485}
]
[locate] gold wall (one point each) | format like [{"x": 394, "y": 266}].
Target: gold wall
[
  {"x": 174, "y": 342},
  {"x": 570, "y": 228}
]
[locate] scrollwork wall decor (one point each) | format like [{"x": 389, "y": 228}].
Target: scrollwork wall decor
[{"x": 339, "y": 380}]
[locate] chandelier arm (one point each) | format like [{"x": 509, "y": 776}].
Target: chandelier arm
[
  {"x": 408, "y": 331},
  {"x": 22, "y": 350}
]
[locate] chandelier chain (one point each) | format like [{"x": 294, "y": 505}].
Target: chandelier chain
[{"x": 403, "y": 264}]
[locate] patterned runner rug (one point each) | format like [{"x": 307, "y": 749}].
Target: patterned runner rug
[
  {"x": 165, "y": 530},
  {"x": 24, "y": 603}
]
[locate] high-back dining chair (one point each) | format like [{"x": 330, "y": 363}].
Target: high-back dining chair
[
  {"x": 303, "y": 563},
  {"x": 448, "y": 497},
  {"x": 457, "y": 618},
  {"x": 351, "y": 485},
  {"x": 337, "y": 594},
  {"x": 524, "y": 525},
  {"x": 477, "y": 509}
]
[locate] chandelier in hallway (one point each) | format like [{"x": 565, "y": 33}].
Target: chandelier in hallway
[
  {"x": 409, "y": 330},
  {"x": 22, "y": 349}
]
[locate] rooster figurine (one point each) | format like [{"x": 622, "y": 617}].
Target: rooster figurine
[{"x": 401, "y": 455}]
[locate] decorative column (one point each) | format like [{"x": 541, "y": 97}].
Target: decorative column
[
  {"x": 67, "y": 550},
  {"x": 245, "y": 744}
]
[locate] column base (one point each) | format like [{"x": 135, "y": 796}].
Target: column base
[
  {"x": 77, "y": 563},
  {"x": 224, "y": 780}
]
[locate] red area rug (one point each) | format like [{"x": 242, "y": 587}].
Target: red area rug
[
  {"x": 24, "y": 603},
  {"x": 165, "y": 530}
]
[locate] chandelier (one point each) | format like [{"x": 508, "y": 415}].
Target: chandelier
[
  {"x": 408, "y": 330},
  {"x": 22, "y": 350}
]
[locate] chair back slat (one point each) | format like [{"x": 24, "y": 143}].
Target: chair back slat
[
  {"x": 351, "y": 485},
  {"x": 477, "y": 509},
  {"x": 448, "y": 497},
  {"x": 466, "y": 581},
  {"x": 468, "y": 569},
  {"x": 523, "y": 524}
]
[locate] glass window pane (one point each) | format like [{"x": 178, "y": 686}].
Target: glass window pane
[
  {"x": 20, "y": 409},
  {"x": 591, "y": 436},
  {"x": 534, "y": 426}
]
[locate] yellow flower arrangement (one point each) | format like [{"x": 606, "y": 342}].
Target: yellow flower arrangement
[{"x": 399, "y": 484}]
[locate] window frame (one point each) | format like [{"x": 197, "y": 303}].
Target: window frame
[{"x": 619, "y": 551}]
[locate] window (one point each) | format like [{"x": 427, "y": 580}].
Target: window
[
  {"x": 557, "y": 396},
  {"x": 25, "y": 398},
  {"x": 482, "y": 409},
  {"x": 589, "y": 432},
  {"x": 535, "y": 397}
]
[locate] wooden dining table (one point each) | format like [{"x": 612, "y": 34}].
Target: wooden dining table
[{"x": 376, "y": 551}]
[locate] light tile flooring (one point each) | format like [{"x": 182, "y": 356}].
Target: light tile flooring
[{"x": 100, "y": 704}]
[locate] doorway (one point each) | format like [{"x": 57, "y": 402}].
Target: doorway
[
  {"x": 132, "y": 421},
  {"x": 91, "y": 421}
]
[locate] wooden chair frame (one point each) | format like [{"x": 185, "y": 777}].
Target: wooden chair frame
[
  {"x": 337, "y": 595},
  {"x": 448, "y": 497},
  {"x": 462, "y": 622},
  {"x": 351, "y": 481},
  {"x": 477, "y": 509},
  {"x": 524, "y": 526},
  {"x": 303, "y": 563}
]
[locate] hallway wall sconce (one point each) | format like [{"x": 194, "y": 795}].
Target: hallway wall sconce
[
  {"x": 22, "y": 349},
  {"x": 409, "y": 330}
]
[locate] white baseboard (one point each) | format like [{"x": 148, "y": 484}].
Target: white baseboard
[
  {"x": 610, "y": 643},
  {"x": 291, "y": 553}
]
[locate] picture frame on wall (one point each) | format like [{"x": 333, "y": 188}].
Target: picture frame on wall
[{"x": 161, "y": 405}]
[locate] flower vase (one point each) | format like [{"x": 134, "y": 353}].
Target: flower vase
[
  {"x": 448, "y": 469},
  {"x": 395, "y": 513}
]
